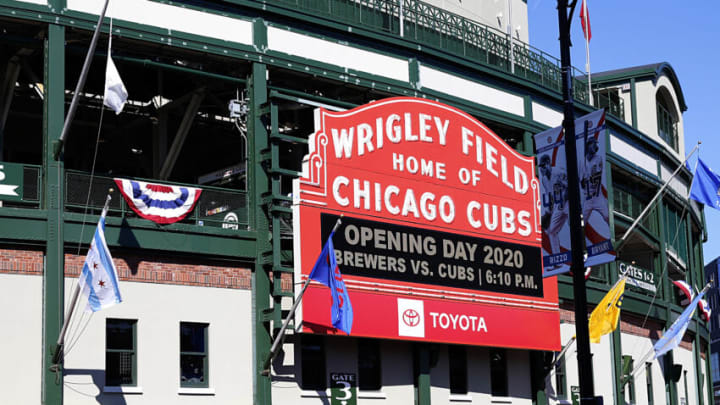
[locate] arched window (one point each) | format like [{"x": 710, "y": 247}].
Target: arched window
[{"x": 667, "y": 118}]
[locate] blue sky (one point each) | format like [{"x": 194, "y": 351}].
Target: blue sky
[{"x": 633, "y": 33}]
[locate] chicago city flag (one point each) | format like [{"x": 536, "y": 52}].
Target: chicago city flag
[
  {"x": 673, "y": 336},
  {"x": 98, "y": 280},
  {"x": 326, "y": 271}
]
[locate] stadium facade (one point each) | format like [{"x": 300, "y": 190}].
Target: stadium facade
[{"x": 224, "y": 95}]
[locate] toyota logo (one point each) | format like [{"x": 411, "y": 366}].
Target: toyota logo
[{"x": 411, "y": 317}]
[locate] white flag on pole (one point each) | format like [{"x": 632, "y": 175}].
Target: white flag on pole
[{"x": 115, "y": 92}]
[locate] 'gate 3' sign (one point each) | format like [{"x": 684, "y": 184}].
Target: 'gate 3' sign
[{"x": 441, "y": 235}]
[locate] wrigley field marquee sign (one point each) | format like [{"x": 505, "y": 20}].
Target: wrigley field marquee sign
[{"x": 440, "y": 236}]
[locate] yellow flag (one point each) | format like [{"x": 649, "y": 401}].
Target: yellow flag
[{"x": 605, "y": 317}]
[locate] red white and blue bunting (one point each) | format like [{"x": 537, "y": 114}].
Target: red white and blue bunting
[{"x": 158, "y": 202}]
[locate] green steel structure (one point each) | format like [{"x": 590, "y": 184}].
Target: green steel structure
[{"x": 181, "y": 71}]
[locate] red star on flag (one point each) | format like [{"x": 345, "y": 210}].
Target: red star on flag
[{"x": 101, "y": 283}]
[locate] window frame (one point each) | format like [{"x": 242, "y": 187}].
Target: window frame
[
  {"x": 132, "y": 351},
  {"x": 205, "y": 354}
]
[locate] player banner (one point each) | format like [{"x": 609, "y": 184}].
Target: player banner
[
  {"x": 591, "y": 172},
  {"x": 550, "y": 151},
  {"x": 552, "y": 168}
]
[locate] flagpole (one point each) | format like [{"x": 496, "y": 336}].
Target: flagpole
[
  {"x": 652, "y": 202},
  {"x": 58, "y": 147},
  {"x": 76, "y": 294},
  {"x": 290, "y": 315},
  {"x": 563, "y": 351},
  {"x": 587, "y": 50}
]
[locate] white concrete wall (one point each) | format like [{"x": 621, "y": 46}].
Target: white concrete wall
[
  {"x": 647, "y": 112},
  {"x": 633, "y": 155},
  {"x": 493, "y": 13},
  {"x": 637, "y": 347},
  {"x": 333, "y": 53},
  {"x": 21, "y": 338},
  {"x": 172, "y": 18},
  {"x": 159, "y": 309},
  {"x": 482, "y": 94}
]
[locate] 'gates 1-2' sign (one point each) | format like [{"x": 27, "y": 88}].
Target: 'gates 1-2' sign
[{"x": 440, "y": 239}]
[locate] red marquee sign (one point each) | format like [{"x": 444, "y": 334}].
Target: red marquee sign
[{"x": 440, "y": 239}]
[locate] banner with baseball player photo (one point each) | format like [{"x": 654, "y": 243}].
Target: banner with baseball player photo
[
  {"x": 552, "y": 167},
  {"x": 550, "y": 151},
  {"x": 593, "y": 187}
]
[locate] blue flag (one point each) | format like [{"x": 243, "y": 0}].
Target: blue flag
[
  {"x": 706, "y": 186},
  {"x": 98, "y": 280},
  {"x": 673, "y": 336},
  {"x": 326, "y": 271}
]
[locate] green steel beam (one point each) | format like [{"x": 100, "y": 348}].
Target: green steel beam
[
  {"x": 53, "y": 278},
  {"x": 670, "y": 387},
  {"x": 25, "y": 225},
  {"x": 422, "y": 383},
  {"x": 259, "y": 184},
  {"x": 633, "y": 103},
  {"x": 615, "y": 340},
  {"x": 121, "y": 234}
]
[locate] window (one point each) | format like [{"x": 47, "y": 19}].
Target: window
[
  {"x": 193, "y": 354},
  {"x": 370, "y": 377},
  {"x": 648, "y": 381},
  {"x": 498, "y": 373},
  {"x": 312, "y": 354},
  {"x": 667, "y": 121},
  {"x": 560, "y": 378},
  {"x": 715, "y": 366},
  {"x": 120, "y": 352},
  {"x": 457, "y": 356}
]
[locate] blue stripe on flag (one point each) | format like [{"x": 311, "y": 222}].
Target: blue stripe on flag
[
  {"x": 93, "y": 299},
  {"x": 105, "y": 259}
]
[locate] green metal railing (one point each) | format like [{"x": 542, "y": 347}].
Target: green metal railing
[
  {"x": 448, "y": 32},
  {"x": 211, "y": 209}
]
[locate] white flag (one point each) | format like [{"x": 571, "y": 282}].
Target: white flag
[
  {"x": 115, "y": 92},
  {"x": 98, "y": 280}
]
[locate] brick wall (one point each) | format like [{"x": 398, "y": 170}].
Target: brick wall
[
  {"x": 162, "y": 269},
  {"x": 168, "y": 269},
  {"x": 21, "y": 261},
  {"x": 631, "y": 324}
]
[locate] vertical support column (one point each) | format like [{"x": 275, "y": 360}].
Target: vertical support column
[
  {"x": 615, "y": 341},
  {"x": 414, "y": 73},
  {"x": 258, "y": 187},
  {"x": 527, "y": 141},
  {"x": 698, "y": 367},
  {"x": 422, "y": 373},
  {"x": 53, "y": 277},
  {"x": 633, "y": 103},
  {"x": 670, "y": 388}
]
